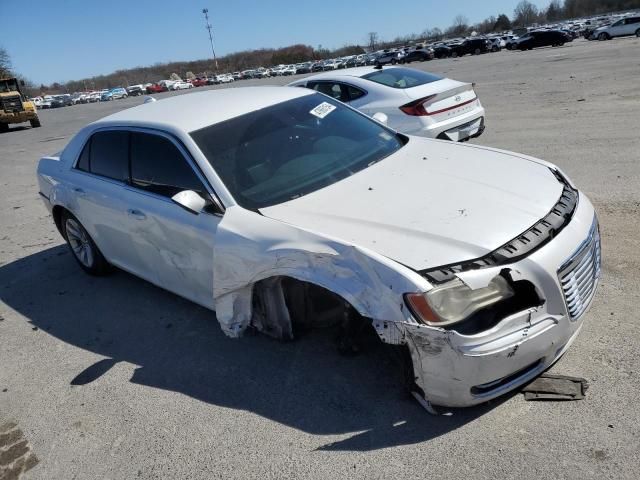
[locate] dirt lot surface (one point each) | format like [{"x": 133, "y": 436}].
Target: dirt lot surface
[{"x": 115, "y": 378}]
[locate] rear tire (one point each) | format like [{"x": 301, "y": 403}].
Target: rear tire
[
  {"x": 4, "y": 127},
  {"x": 638, "y": 33},
  {"x": 35, "y": 122},
  {"x": 476, "y": 51},
  {"x": 603, "y": 36},
  {"x": 82, "y": 247}
]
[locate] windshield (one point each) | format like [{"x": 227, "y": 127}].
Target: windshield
[{"x": 293, "y": 148}]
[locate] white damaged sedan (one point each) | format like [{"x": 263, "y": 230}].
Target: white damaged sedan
[{"x": 277, "y": 206}]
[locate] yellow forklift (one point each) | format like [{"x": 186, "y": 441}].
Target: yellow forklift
[{"x": 15, "y": 107}]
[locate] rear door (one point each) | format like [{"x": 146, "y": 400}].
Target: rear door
[
  {"x": 174, "y": 244},
  {"x": 97, "y": 182}
]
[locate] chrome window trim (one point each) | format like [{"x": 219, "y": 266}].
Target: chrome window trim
[{"x": 152, "y": 131}]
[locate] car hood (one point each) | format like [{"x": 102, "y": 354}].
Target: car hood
[{"x": 432, "y": 203}]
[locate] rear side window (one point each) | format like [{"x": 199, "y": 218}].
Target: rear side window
[
  {"x": 339, "y": 91},
  {"x": 355, "y": 93},
  {"x": 334, "y": 90},
  {"x": 401, "y": 77},
  {"x": 159, "y": 167},
  {"x": 83, "y": 161},
  {"x": 108, "y": 154}
]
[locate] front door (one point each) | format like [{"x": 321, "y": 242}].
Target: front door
[{"x": 174, "y": 244}]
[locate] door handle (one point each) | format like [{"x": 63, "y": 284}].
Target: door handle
[
  {"x": 79, "y": 191},
  {"x": 136, "y": 213}
]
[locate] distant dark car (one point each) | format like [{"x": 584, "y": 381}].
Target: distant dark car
[
  {"x": 473, "y": 46},
  {"x": 352, "y": 62},
  {"x": 135, "y": 90},
  {"x": 303, "y": 68},
  {"x": 61, "y": 101},
  {"x": 441, "y": 51},
  {"x": 543, "y": 38},
  {"x": 317, "y": 67},
  {"x": 419, "y": 55}
]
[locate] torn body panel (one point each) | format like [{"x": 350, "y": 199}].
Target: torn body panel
[
  {"x": 372, "y": 284},
  {"x": 451, "y": 368}
]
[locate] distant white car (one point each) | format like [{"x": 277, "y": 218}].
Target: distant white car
[
  {"x": 181, "y": 85},
  {"x": 37, "y": 101},
  {"x": 413, "y": 101},
  {"x": 226, "y": 78},
  {"x": 623, "y": 27}
]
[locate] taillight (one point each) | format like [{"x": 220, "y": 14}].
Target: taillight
[{"x": 417, "y": 108}]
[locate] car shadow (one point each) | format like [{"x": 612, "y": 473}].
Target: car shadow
[
  {"x": 15, "y": 129},
  {"x": 178, "y": 346}
]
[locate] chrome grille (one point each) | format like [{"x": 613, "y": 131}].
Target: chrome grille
[{"x": 579, "y": 275}]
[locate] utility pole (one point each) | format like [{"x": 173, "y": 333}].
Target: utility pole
[{"x": 208, "y": 27}]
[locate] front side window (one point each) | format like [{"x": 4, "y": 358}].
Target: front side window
[
  {"x": 401, "y": 77},
  {"x": 108, "y": 154},
  {"x": 158, "y": 166},
  {"x": 292, "y": 148}
]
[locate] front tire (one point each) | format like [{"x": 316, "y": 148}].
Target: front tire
[
  {"x": 82, "y": 247},
  {"x": 35, "y": 122},
  {"x": 638, "y": 33},
  {"x": 603, "y": 36}
]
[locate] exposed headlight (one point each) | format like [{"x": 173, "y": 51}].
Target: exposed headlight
[{"x": 455, "y": 301}]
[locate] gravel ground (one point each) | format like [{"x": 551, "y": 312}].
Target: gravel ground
[{"x": 115, "y": 378}]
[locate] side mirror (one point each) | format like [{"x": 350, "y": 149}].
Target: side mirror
[
  {"x": 189, "y": 200},
  {"x": 380, "y": 117}
]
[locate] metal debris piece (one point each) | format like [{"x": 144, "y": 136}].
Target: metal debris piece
[{"x": 556, "y": 387}]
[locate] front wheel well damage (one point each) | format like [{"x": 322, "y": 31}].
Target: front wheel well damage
[{"x": 285, "y": 307}]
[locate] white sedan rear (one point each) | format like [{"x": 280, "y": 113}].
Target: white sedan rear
[{"x": 414, "y": 102}]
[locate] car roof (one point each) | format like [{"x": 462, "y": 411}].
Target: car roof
[{"x": 197, "y": 110}]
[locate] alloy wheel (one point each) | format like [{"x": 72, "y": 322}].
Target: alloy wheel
[{"x": 80, "y": 243}]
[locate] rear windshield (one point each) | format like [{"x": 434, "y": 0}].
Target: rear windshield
[{"x": 401, "y": 77}]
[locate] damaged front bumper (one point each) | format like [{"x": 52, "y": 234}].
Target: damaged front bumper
[{"x": 458, "y": 370}]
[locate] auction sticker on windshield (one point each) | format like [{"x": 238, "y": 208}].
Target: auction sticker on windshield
[{"x": 323, "y": 110}]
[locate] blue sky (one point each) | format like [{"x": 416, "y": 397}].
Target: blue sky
[{"x": 59, "y": 40}]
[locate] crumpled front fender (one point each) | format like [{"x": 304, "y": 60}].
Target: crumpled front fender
[{"x": 250, "y": 247}]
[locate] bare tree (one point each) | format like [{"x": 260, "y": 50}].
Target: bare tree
[
  {"x": 5, "y": 63},
  {"x": 373, "y": 40},
  {"x": 525, "y": 13},
  {"x": 433, "y": 33},
  {"x": 460, "y": 25}
]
